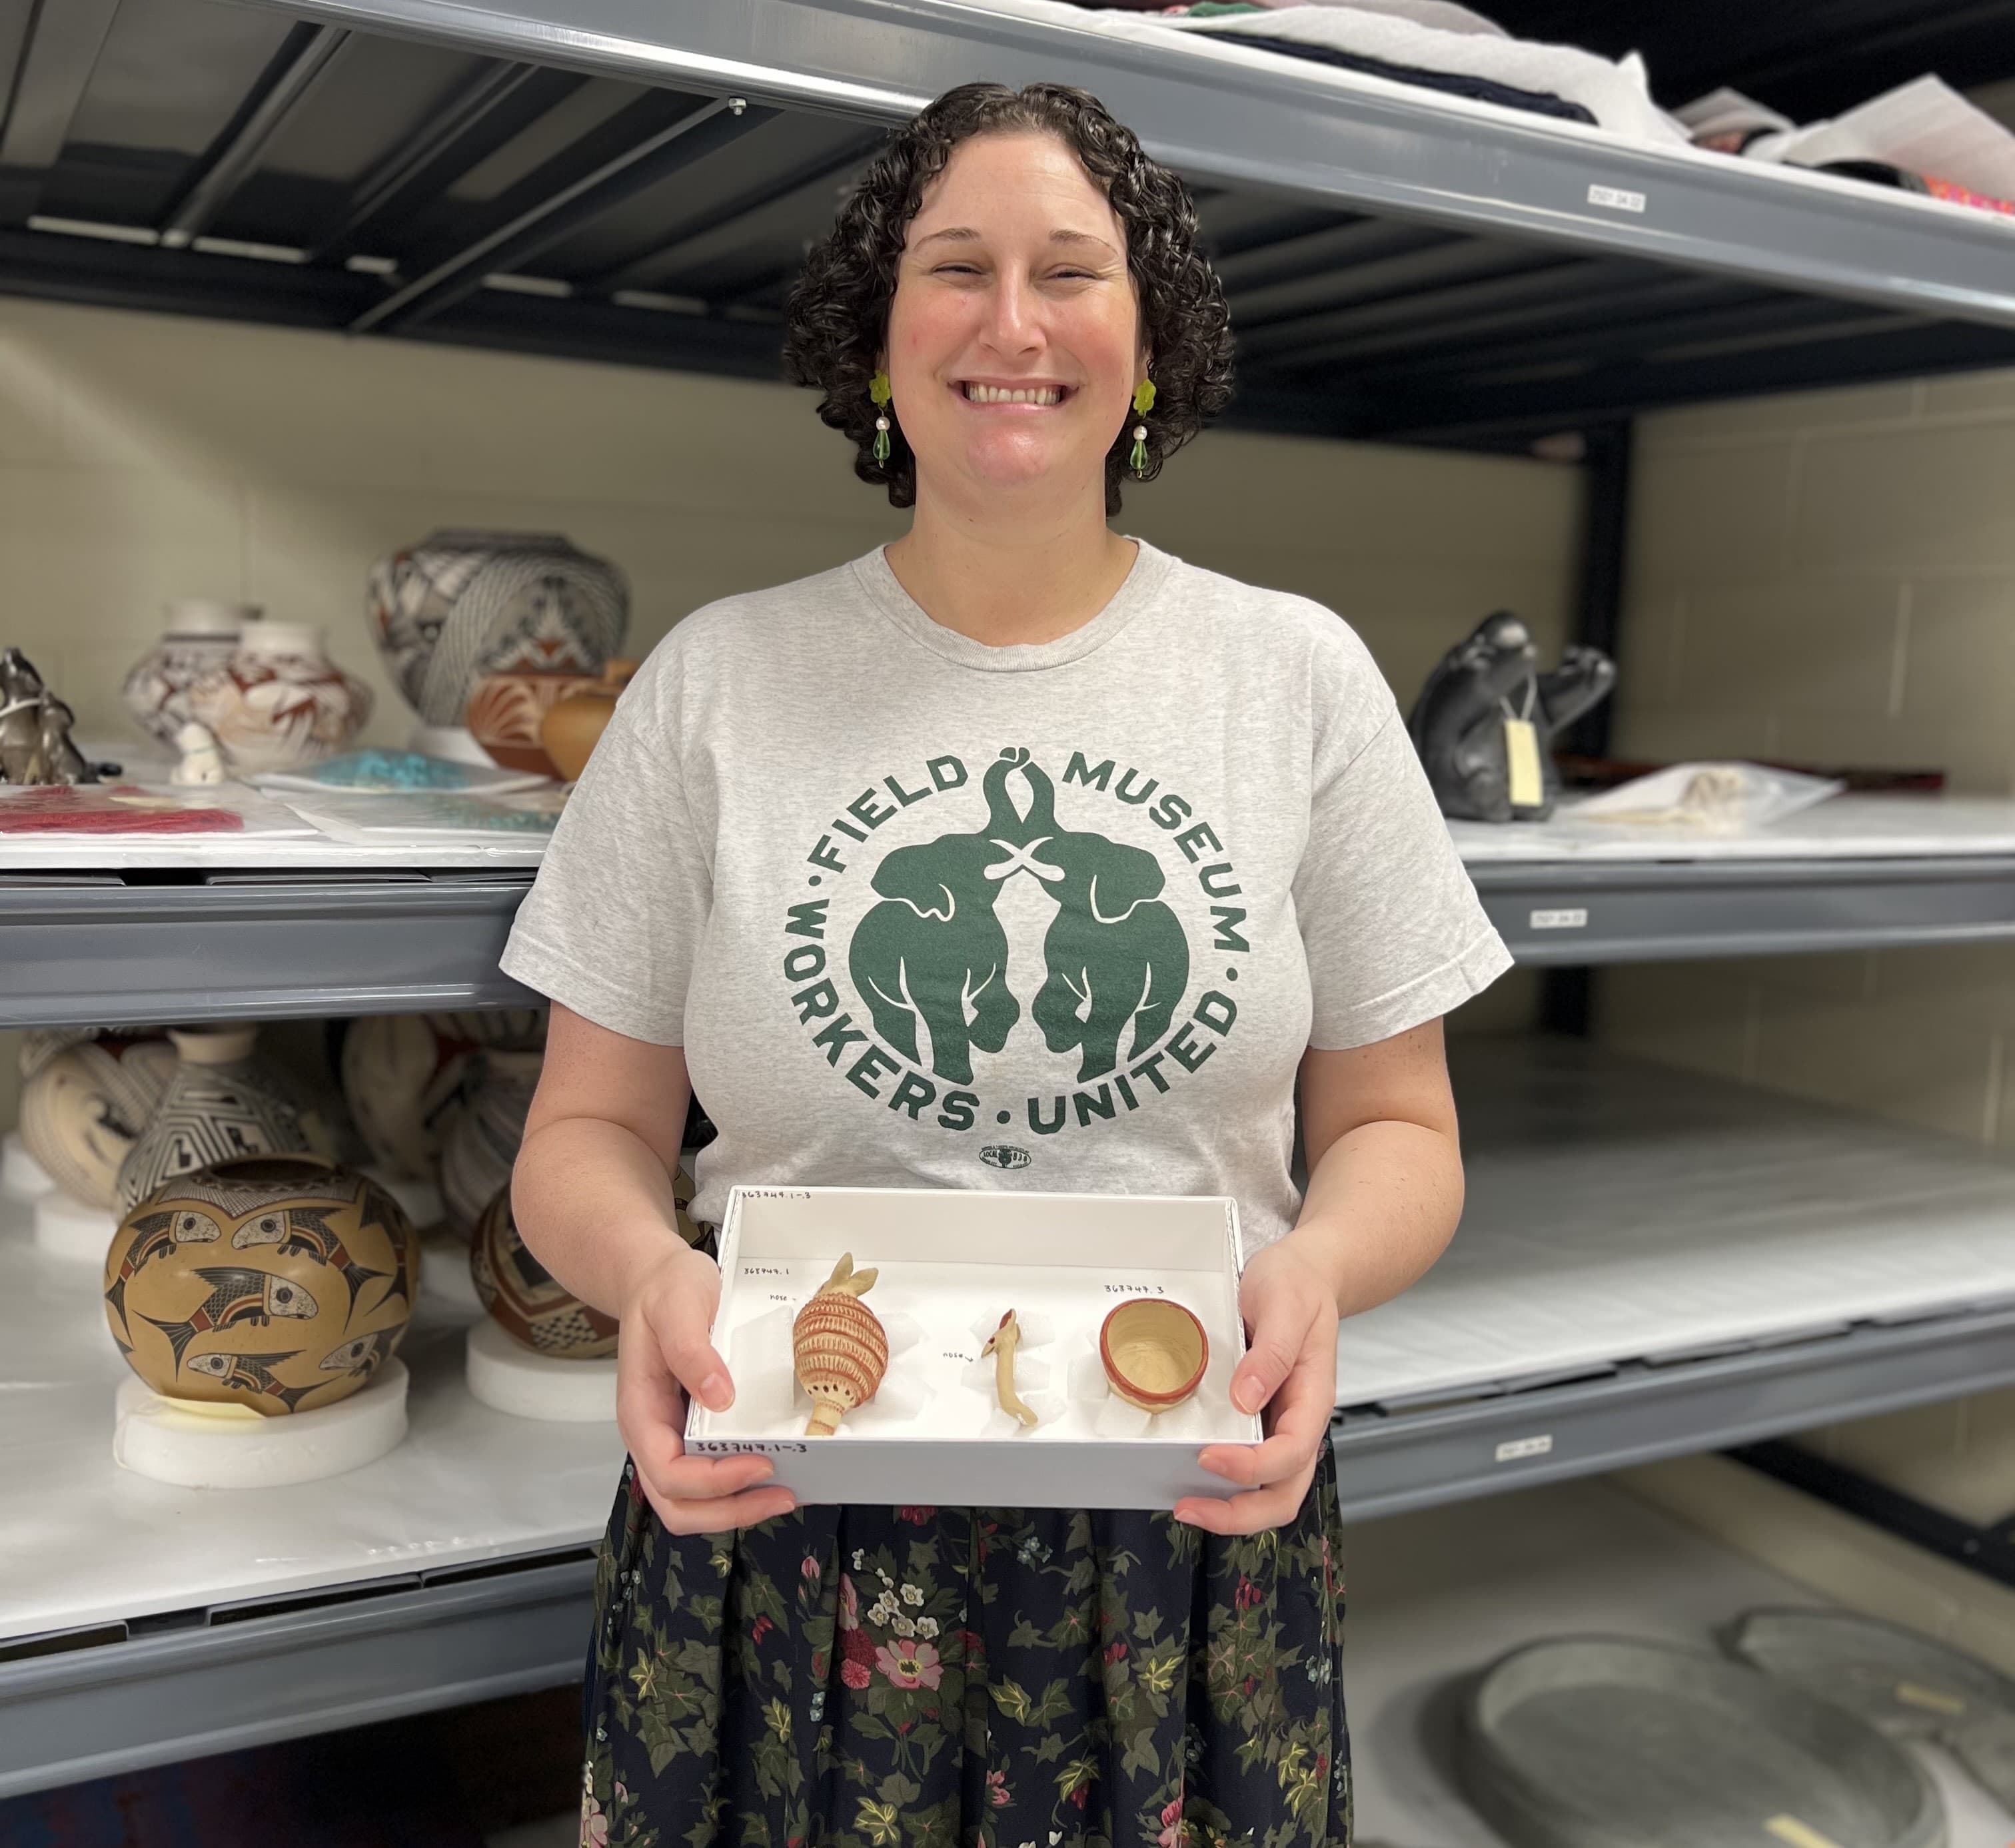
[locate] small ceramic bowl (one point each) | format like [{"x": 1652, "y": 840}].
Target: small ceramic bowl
[{"x": 1154, "y": 1352}]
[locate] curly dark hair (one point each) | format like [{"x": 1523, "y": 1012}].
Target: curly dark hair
[{"x": 839, "y": 319}]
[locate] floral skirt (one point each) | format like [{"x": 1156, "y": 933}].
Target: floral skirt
[{"x": 940, "y": 1678}]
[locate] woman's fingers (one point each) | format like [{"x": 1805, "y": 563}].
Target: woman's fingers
[
  {"x": 720, "y": 1514},
  {"x": 1257, "y": 1509}
]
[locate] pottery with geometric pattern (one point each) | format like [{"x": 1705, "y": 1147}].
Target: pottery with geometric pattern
[
  {"x": 222, "y": 1101},
  {"x": 280, "y": 1283},
  {"x": 86, "y": 1098},
  {"x": 523, "y": 1297}
]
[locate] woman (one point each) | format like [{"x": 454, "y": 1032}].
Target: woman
[{"x": 1019, "y": 854}]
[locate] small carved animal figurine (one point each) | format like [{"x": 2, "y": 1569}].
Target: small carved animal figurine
[
  {"x": 1462, "y": 725},
  {"x": 202, "y": 761},
  {"x": 35, "y": 725},
  {"x": 839, "y": 1346},
  {"x": 1001, "y": 1344}
]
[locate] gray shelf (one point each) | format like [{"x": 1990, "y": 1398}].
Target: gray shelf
[
  {"x": 216, "y": 1680},
  {"x": 222, "y": 1679},
  {"x": 1270, "y": 125},
  {"x": 95, "y": 950},
  {"x": 1555, "y": 913},
  {"x": 1387, "y": 1462}
]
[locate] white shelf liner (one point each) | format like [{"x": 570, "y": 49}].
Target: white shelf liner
[
  {"x": 82, "y": 1541},
  {"x": 1898, "y": 827},
  {"x": 1619, "y": 1210},
  {"x": 1847, "y": 827},
  {"x": 1440, "y": 1593}
]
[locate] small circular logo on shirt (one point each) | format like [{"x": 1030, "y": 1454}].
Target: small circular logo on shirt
[{"x": 1005, "y": 1155}]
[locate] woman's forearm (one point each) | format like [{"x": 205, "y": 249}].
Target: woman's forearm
[
  {"x": 1382, "y": 1206},
  {"x": 594, "y": 1204}
]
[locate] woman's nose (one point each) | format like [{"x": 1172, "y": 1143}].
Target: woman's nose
[{"x": 1013, "y": 323}]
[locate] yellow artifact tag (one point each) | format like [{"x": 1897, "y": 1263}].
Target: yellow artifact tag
[
  {"x": 1799, "y": 1835},
  {"x": 1932, "y": 1700},
  {"x": 1521, "y": 760}
]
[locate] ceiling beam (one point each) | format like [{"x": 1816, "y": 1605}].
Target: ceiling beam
[
  {"x": 55, "y": 63},
  {"x": 493, "y": 109},
  {"x": 306, "y": 53},
  {"x": 696, "y": 241},
  {"x": 699, "y": 130}
]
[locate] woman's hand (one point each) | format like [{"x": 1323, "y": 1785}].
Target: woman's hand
[
  {"x": 665, "y": 1353},
  {"x": 1290, "y": 1368}
]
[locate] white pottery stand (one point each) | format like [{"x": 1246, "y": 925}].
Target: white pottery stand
[
  {"x": 510, "y": 1377},
  {"x": 21, "y": 1174},
  {"x": 195, "y": 1444},
  {"x": 69, "y": 1230}
]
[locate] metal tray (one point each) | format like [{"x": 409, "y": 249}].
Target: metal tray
[
  {"x": 1607, "y": 1742},
  {"x": 1906, "y": 1684}
]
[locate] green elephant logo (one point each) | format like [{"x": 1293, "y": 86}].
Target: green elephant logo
[{"x": 933, "y": 951}]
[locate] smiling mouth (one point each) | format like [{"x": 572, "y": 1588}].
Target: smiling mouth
[{"x": 1019, "y": 394}]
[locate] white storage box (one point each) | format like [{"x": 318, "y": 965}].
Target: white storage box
[{"x": 950, "y": 1262}]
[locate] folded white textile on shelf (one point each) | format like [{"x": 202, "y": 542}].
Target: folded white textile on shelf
[
  {"x": 1924, "y": 127},
  {"x": 1397, "y": 32}
]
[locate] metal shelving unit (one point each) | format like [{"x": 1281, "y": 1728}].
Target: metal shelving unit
[
  {"x": 101, "y": 949},
  {"x": 633, "y": 182}
]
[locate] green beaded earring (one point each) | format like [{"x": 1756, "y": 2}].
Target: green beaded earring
[
  {"x": 1144, "y": 402},
  {"x": 880, "y": 391}
]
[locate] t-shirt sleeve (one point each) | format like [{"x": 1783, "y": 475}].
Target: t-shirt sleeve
[
  {"x": 1394, "y": 932},
  {"x": 612, "y": 923}
]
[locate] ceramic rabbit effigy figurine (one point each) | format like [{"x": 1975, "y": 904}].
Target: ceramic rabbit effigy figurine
[
  {"x": 839, "y": 1347},
  {"x": 1486, "y": 717}
]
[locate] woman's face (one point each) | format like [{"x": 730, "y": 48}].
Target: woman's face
[{"x": 1014, "y": 336}]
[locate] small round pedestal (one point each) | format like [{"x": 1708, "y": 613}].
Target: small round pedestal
[
  {"x": 527, "y": 1385},
  {"x": 21, "y": 1174},
  {"x": 444, "y": 1277},
  {"x": 69, "y": 1230},
  {"x": 200, "y": 1446}
]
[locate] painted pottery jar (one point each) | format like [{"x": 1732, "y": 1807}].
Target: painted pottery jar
[
  {"x": 404, "y": 1076},
  {"x": 573, "y": 725},
  {"x": 482, "y": 1142},
  {"x": 281, "y": 1282},
  {"x": 523, "y": 1297},
  {"x": 461, "y": 605},
  {"x": 221, "y": 1101},
  {"x": 507, "y": 714},
  {"x": 86, "y": 1096},
  {"x": 200, "y": 637},
  {"x": 279, "y": 701}
]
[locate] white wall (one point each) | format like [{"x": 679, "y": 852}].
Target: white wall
[{"x": 1830, "y": 577}]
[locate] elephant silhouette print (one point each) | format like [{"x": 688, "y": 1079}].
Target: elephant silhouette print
[{"x": 933, "y": 951}]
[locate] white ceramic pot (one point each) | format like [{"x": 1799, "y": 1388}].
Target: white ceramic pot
[
  {"x": 200, "y": 637},
  {"x": 279, "y": 701}
]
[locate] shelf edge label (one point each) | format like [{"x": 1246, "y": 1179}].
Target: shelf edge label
[
  {"x": 1617, "y": 198},
  {"x": 1518, "y": 1450},
  {"x": 1568, "y": 918}
]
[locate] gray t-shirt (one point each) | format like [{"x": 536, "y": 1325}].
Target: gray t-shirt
[{"x": 1062, "y": 917}]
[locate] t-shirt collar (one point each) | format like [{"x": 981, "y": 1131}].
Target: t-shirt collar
[{"x": 885, "y": 591}]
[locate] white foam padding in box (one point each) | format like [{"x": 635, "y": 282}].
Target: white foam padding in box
[
  {"x": 230, "y": 1447},
  {"x": 1619, "y": 1210},
  {"x": 509, "y": 1376},
  {"x": 82, "y": 1541},
  {"x": 949, "y": 1263}
]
